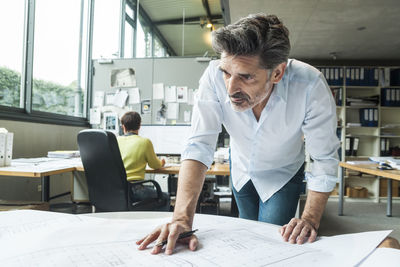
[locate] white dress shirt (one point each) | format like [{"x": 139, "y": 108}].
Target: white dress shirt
[{"x": 270, "y": 151}]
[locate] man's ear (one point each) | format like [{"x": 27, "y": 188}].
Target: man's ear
[{"x": 278, "y": 72}]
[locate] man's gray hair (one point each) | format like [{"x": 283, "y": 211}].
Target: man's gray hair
[{"x": 255, "y": 35}]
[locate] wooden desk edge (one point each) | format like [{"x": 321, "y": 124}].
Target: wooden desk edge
[
  {"x": 22, "y": 174},
  {"x": 36, "y": 174},
  {"x": 371, "y": 169},
  {"x": 216, "y": 169}
]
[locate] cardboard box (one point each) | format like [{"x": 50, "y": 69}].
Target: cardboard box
[
  {"x": 335, "y": 191},
  {"x": 383, "y": 188},
  {"x": 357, "y": 191}
]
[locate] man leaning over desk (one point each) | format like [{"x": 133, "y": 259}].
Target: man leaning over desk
[{"x": 266, "y": 102}]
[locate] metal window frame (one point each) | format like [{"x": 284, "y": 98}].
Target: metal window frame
[
  {"x": 132, "y": 22},
  {"x": 122, "y": 28},
  {"x": 27, "y": 68}
]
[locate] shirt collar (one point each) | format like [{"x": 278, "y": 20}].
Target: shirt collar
[
  {"x": 282, "y": 88},
  {"x": 129, "y": 134}
]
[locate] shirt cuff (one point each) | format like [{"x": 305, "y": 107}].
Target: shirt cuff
[
  {"x": 199, "y": 152},
  {"x": 321, "y": 183}
]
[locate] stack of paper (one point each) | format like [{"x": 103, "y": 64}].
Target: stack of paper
[
  {"x": 64, "y": 154},
  {"x": 380, "y": 159},
  {"x": 394, "y": 163}
]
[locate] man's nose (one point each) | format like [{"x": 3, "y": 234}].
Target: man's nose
[{"x": 233, "y": 85}]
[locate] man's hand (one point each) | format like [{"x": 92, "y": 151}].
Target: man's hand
[
  {"x": 162, "y": 162},
  {"x": 190, "y": 182},
  {"x": 298, "y": 231},
  {"x": 389, "y": 242},
  {"x": 169, "y": 232}
]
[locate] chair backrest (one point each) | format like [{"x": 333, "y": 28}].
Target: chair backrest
[{"x": 104, "y": 170}]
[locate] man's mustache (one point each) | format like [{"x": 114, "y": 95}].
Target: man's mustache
[{"x": 240, "y": 95}]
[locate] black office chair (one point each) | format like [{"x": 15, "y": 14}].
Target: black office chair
[{"x": 106, "y": 176}]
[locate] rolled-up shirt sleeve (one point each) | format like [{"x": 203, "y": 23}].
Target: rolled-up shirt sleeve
[
  {"x": 322, "y": 144},
  {"x": 206, "y": 121}
]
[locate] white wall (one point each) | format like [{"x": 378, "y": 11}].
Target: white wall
[{"x": 35, "y": 140}]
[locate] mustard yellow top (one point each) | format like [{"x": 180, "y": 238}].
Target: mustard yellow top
[{"x": 136, "y": 152}]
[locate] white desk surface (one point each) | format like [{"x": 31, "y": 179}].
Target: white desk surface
[{"x": 131, "y": 215}]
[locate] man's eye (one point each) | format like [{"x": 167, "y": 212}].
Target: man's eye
[{"x": 226, "y": 74}]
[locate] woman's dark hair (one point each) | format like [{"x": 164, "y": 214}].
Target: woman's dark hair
[{"x": 131, "y": 120}]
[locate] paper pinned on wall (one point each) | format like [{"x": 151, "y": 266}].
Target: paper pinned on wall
[
  {"x": 120, "y": 98},
  {"x": 158, "y": 91},
  {"x": 182, "y": 94},
  {"x": 190, "y": 99},
  {"x": 146, "y": 106},
  {"x": 123, "y": 78},
  {"x": 98, "y": 99},
  {"x": 170, "y": 93},
  {"x": 110, "y": 98},
  {"x": 186, "y": 116},
  {"x": 172, "y": 111},
  {"x": 95, "y": 116},
  {"x": 111, "y": 122},
  {"x": 134, "y": 96}
]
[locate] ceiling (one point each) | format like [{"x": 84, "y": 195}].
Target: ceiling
[
  {"x": 168, "y": 15},
  {"x": 320, "y": 30}
]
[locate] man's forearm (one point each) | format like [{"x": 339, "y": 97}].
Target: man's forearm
[
  {"x": 191, "y": 178},
  {"x": 315, "y": 205}
]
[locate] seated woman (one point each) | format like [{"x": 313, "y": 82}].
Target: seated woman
[{"x": 136, "y": 152}]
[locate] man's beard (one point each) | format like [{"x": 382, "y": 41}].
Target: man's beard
[
  {"x": 246, "y": 102},
  {"x": 243, "y": 105}
]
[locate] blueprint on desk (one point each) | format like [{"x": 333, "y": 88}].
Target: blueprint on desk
[{"x": 37, "y": 238}]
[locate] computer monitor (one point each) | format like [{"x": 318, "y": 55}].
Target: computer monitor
[{"x": 166, "y": 139}]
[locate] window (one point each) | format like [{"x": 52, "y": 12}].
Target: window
[
  {"x": 55, "y": 61},
  {"x": 148, "y": 41},
  {"x": 56, "y": 58},
  {"x": 129, "y": 32},
  {"x": 140, "y": 42},
  {"x": 106, "y": 29},
  {"x": 43, "y": 54},
  {"x": 143, "y": 39},
  {"x": 11, "y": 50},
  {"x": 159, "y": 50},
  {"x": 129, "y": 40}
]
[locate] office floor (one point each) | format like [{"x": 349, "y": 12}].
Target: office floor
[{"x": 359, "y": 217}]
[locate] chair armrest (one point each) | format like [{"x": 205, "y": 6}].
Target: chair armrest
[
  {"x": 148, "y": 203},
  {"x": 156, "y": 185}
]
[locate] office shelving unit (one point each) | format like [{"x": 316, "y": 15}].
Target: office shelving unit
[{"x": 372, "y": 141}]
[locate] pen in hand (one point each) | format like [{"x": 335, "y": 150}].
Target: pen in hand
[{"x": 181, "y": 236}]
